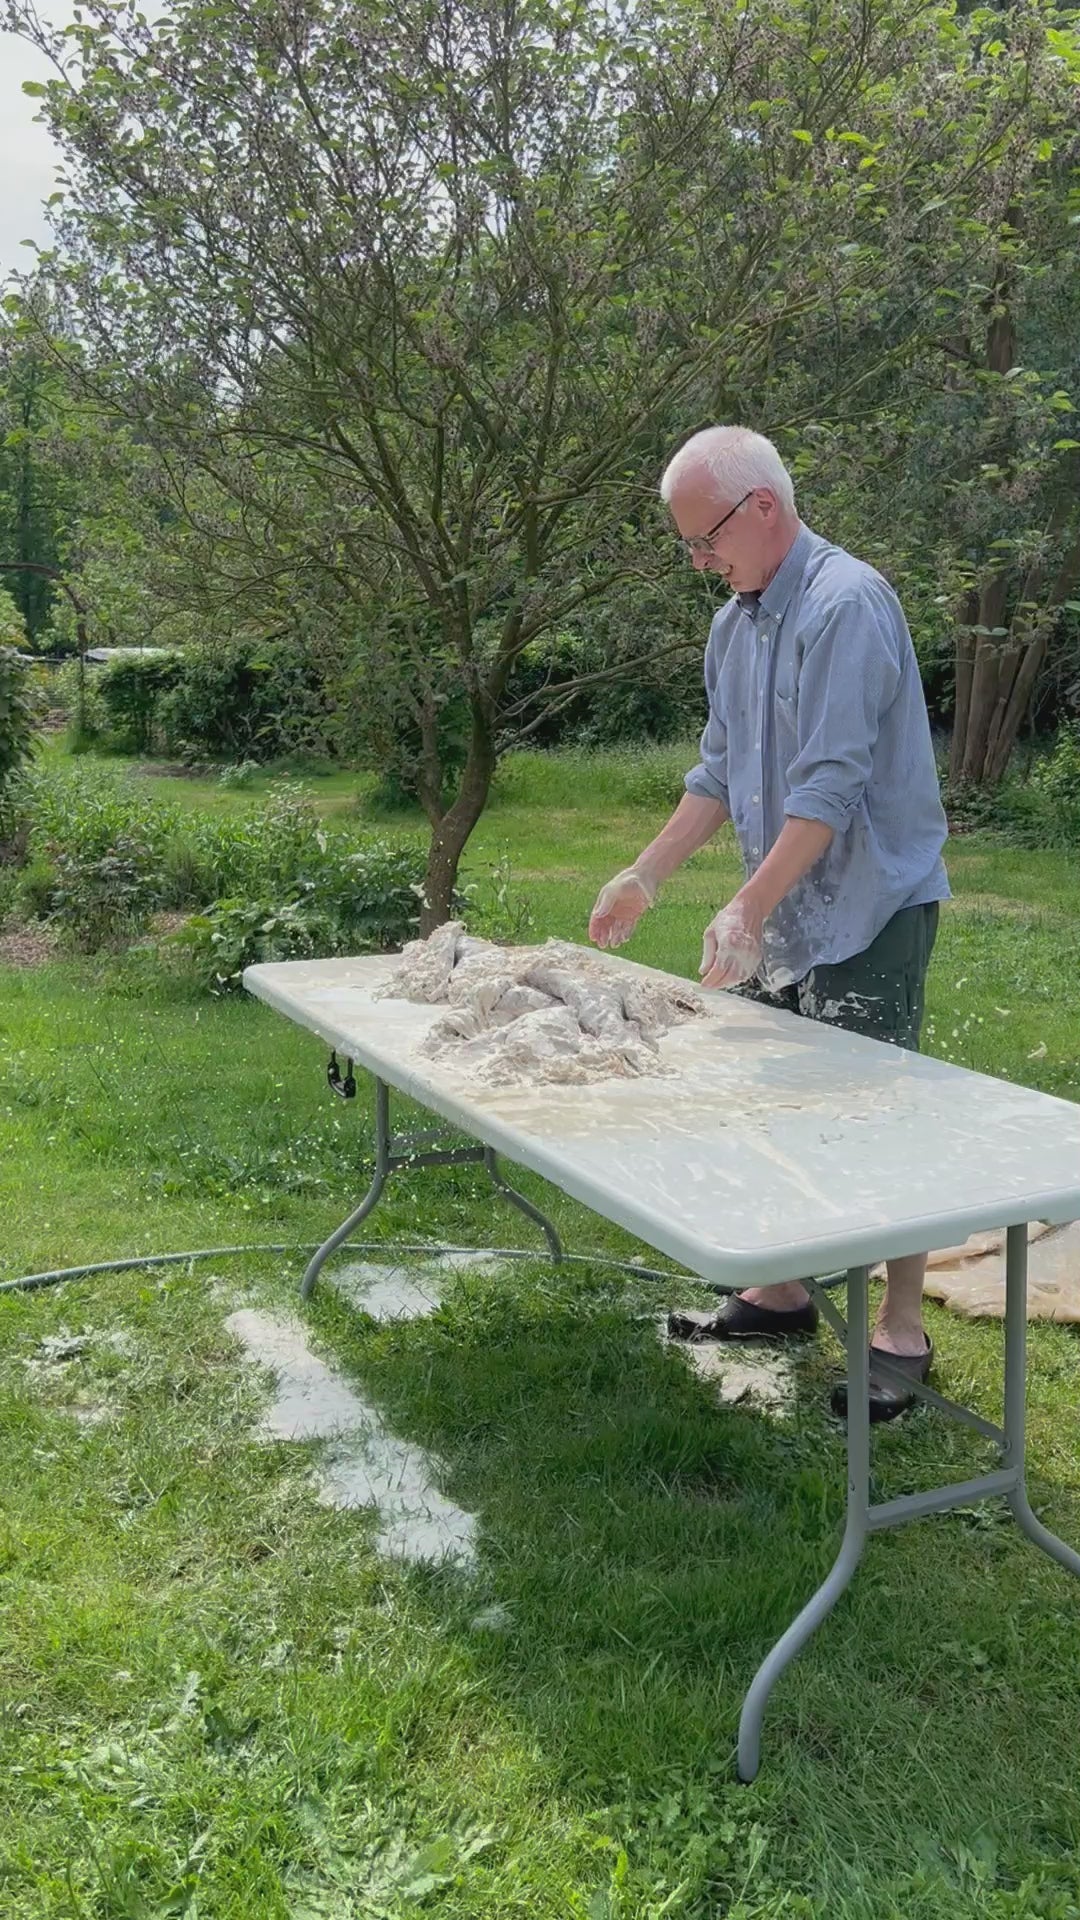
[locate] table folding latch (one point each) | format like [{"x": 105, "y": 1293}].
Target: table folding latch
[{"x": 344, "y": 1087}]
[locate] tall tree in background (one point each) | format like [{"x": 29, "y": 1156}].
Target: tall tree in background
[
  {"x": 1017, "y": 380},
  {"x": 31, "y": 382},
  {"x": 426, "y": 292}
]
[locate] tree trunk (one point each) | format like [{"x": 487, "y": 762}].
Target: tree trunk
[
  {"x": 996, "y": 675},
  {"x": 429, "y": 773},
  {"x": 989, "y": 652},
  {"x": 1019, "y": 699},
  {"x": 965, "y": 668},
  {"x": 980, "y": 656},
  {"x": 449, "y": 837}
]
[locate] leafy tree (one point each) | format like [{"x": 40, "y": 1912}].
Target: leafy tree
[
  {"x": 18, "y": 723},
  {"x": 29, "y": 503},
  {"x": 424, "y": 293}
]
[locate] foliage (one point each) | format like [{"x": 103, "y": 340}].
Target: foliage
[
  {"x": 84, "y": 809},
  {"x": 31, "y": 487},
  {"x": 17, "y": 734},
  {"x": 234, "y": 934},
  {"x": 240, "y": 773},
  {"x": 265, "y": 849},
  {"x": 77, "y": 692},
  {"x": 617, "y": 690},
  {"x": 131, "y": 690},
  {"x": 494, "y": 907},
  {"x": 99, "y": 901},
  {"x": 243, "y": 700},
  {"x": 1045, "y": 807},
  {"x": 382, "y": 732},
  {"x": 1038, "y": 807},
  {"x": 37, "y": 886},
  {"x": 12, "y": 625},
  {"x": 249, "y": 699},
  {"x": 11, "y": 900},
  {"x": 1057, "y": 775},
  {"x": 423, "y": 387},
  {"x": 353, "y": 901},
  {"x": 272, "y": 882}
]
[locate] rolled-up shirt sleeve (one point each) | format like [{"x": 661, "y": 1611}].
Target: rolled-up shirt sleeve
[
  {"x": 849, "y": 678},
  {"x": 710, "y": 776}
]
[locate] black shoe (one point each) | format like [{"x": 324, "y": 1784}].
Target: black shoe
[
  {"x": 887, "y": 1397},
  {"x": 739, "y": 1319}
]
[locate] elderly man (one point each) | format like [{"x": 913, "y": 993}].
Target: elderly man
[{"x": 817, "y": 748}]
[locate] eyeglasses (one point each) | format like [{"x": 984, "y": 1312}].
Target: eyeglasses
[{"x": 703, "y": 542}]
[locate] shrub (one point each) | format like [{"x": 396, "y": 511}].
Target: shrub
[
  {"x": 234, "y": 934},
  {"x": 354, "y": 900},
  {"x": 1055, "y": 779},
  {"x": 240, "y": 774},
  {"x": 130, "y": 690},
  {"x": 37, "y": 887},
  {"x": 10, "y": 897},
  {"x": 187, "y": 875},
  {"x": 18, "y": 731},
  {"x": 260, "y": 853},
  {"x": 249, "y": 700},
  {"x": 1038, "y": 806},
  {"x": 101, "y": 900},
  {"x": 76, "y": 691},
  {"x": 83, "y": 809},
  {"x": 12, "y": 624},
  {"x": 374, "y": 892},
  {"x": 14, "y": 827},
  {"x": 103, "y": 856},
  {"x": 494, "y": 910}
]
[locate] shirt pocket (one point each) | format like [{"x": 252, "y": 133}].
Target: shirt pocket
[{"x": 786, "y": 711}]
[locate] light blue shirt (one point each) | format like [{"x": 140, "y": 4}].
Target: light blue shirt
[{"x": 817, "y": 712}]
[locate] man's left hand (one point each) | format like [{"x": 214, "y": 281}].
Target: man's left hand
[{"x": 733, "y": 944}]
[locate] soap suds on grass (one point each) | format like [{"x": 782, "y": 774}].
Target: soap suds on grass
[
  {"x": 366, "y": 1465},
  {"x": 535, "y": 1015}
]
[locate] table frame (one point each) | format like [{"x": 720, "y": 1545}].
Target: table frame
[{"x": 864, "y": 1516}]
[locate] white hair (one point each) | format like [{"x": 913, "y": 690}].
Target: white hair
[{"x": 736, "y": 459}]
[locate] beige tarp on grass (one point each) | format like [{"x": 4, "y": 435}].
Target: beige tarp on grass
[{"x": 970, "y": 1280}]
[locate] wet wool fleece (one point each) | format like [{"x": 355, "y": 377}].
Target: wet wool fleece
[{"x": 536, "y": 1015}]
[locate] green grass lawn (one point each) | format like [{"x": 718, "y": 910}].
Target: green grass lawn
[{"x": 218, "y": 1701}]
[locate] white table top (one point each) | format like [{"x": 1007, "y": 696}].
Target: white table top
[{"x": 778, "y": 1148}]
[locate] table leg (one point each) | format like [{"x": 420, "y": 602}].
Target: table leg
[
  {"x": 390, "y": 1155},
  {"x": 855, "y": 1532},
  {"x": 382, "y": 1169},
  {"x": 1016, "y": 1260},
  {"x": 524, "y": 1206}
]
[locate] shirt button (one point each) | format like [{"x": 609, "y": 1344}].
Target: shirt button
[
  {"x": 755, "y": 851},
  {"x": 757, "y": 799}
]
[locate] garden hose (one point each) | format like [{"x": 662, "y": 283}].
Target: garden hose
[{"x": 31, "y": 1282}]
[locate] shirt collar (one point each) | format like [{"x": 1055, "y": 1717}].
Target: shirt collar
[{"x": 775, "y": 597}]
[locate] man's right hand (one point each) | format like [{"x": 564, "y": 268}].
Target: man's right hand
[{"x": 619, "y": 907}]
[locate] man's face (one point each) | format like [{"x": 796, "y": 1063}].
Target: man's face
[{"x": 739, "y": 550}]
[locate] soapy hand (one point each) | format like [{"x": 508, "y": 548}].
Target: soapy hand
[
  {"x": 731, "y": 952},
  {"x": 619, "y": 907}
]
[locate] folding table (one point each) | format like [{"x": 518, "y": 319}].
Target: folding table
[{"x": 771, "y": 1148}]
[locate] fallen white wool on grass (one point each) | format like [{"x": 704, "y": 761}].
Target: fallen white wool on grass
[
  {"x": 367, "y": 1465},
  {"x": 758, "y": 1373},
  {"x": 407, "y": 1292},
  {"x": 553, "y": 1013}
]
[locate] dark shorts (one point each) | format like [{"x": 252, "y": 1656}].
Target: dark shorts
[{"x": 879, "y": 993}]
